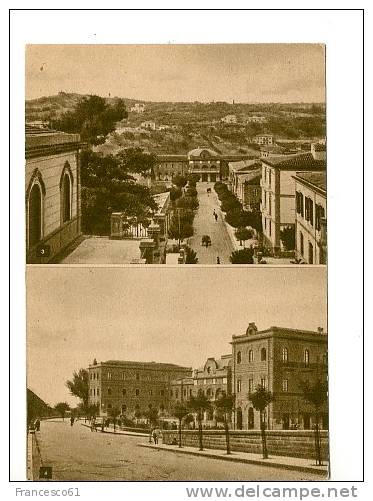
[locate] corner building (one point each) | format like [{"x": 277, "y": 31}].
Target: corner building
[
  {"x": 278, "y": 359},
  {"x": 132, "y": 386}
]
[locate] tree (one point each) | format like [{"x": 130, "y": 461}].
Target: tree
[
  {"x": 92, "y": 118},
  {"x": 136, "y": 160},
  {"x": 181, "y": 224},
  {"x": 180, "y": 412},
  {"x": 199, "y": 405},
  {"x": 190, "y": 255},
  {"x": 243, "y": 234},
  {"x": 78, "y": 385},
  {"x": 316, "y": 395},
  {"x": 61, "y": 408},
  {"x": 287, "y": 236},
  {"x": 114, "y": 412},
  {"x": 224, "y": 406},
  {"x": 179, "y": 181},
  {"x": 187, "y": 202},
  {"x": 152, "y": 416},
  {"x": 260, "y": 399},
  {"x": 242, "y": 256}
]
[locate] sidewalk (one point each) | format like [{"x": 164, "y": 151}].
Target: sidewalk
[
  {"x": 118, "y": 431},
  {"x": 284, "y": 462}
]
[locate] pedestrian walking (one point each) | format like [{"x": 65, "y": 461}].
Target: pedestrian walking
[
  {"x": 155, "y": 436},
  {"x": 218, "y": 260},
  {"x": 215, "y": 216},
  {"x": 72, "y": 421}
]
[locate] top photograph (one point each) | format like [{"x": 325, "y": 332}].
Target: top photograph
[{"x": 175, "y": 154}]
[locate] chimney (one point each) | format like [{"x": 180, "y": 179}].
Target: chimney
[
  {"x": 320, "y": 330},
  {"x": 318, "y": 151}
]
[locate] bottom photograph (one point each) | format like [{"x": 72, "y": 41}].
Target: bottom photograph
[{"x": 179, "y": 374}]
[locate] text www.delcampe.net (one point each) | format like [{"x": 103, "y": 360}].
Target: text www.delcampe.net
[{"x": 296, "y": 493}]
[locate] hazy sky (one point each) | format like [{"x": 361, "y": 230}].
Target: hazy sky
[
  {"x": 245, "y": 73},
  {"x": 181, "y": 315}
]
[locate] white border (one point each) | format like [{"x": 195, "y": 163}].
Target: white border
[{"x": 341, "y": 31}]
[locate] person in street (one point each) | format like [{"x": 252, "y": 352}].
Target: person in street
[
  {"x": 215, "y": 216},
  {"x": 93, "y": 424},
  {"x": 218, "y": 260},
  {"x": 72, "y": 421},
  {"x": 155, "y": 436}
]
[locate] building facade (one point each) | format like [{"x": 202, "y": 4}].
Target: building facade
[
  {"x": 205, "y": 163},
  {"x": 132, "y": 386},
  {"x": 279, "y": 360},
  {"x": 168, "y": 166},
  {"x": 138, "y": 108},
  {"x": 264, "y": 139},
  {"x": 213, "y": 379},
  {"x": 53, "y": 193},
  {"x": 311, "y": 222},
  {"x": 229, "y": 119},
  {"x": 244, "y": 181},
  {"x": 278, "y": 192}
]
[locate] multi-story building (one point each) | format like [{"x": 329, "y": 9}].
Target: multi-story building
[
  {"x": 168, "y": 166},
  {"x": 244, "y": 177},
  {"x": 311, "y": 222},
  {"x": 256, "y": 119},
  {"x": 278, "y": 192},
  {"x": 53, "y": 192},
  {"x": 278, "y": 359},
  {"x": 212, "y": 379},
  {"x": 205, "y": 163},
  {"x": 263, "y": 139},
  {"x": 132, "y": 386}
]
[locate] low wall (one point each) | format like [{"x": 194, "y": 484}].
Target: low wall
[{"x": 295, "y": 443}]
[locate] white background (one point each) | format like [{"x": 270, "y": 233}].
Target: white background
[{"x": 341, "y": 31}]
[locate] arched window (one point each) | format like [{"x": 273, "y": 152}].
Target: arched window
[
  {"x": 239, "y": 357},
  {"x": 263, "y": 354},
  {"x": 251, "y": 356},
  {"x": 285, "y": 354},
  {"x": 238, "y": 385},
  {"x": 306, "y": 357},
  {"x": 66, "y": 191},
  {"x": 66, "y": 199},
  {"x": 35, "y": 215}
]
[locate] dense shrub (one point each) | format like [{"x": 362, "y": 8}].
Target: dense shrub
[{"x": 242, "y": 256}]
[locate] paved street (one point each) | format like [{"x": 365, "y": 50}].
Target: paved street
[
  {"x": 75, "y": 453},
  {"x": 205, "y": 224}
]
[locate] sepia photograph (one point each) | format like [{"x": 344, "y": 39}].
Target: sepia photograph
[
  {"x": 175, "y": 154},
  {"x": 137, "y": 375}
]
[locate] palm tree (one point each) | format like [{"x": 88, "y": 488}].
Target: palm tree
[
  {"x": 199, "y": 405},
  {"x": 224, "y": 406},
  {"x": 260, "y": 399},
  {"x": 316, "y": 395},
  {"x": 180, "y": 412}
]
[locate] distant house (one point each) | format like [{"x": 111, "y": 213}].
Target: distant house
[
  {"x": 149, "y": 125},
  {"x": 263, "y": 139},
  {"x": 310, "y": 221},
  {"x": 138, "y": 108},
  {"x": 53, "y": 193},
  {"x": 229, "y": 119},
  {"x": 256, "y": 119}
]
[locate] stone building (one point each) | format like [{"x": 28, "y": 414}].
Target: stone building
[
  {"x": 168, "y": 166},
  {"x": 244, "y": 180},
  {"x": 53, "y": 193},
  {"x": 278, "y": 192},
  {"x": 132, "y": 386},
  {"x": 212, "y": 379},
  {"x": 205, "y": 163},
  {"x": 263, "y": 139},
  {"x": 278, "y": 359},
  {"x": 310, "y": 222}
]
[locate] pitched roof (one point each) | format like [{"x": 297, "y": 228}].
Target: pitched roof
[
  {"x": 316, "y": 179},
  {"x": 297, "y": 162}
]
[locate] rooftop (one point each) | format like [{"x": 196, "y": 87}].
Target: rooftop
[
  {"x": 315, "y": 179},
  {"x": 149, "y": 365},
  {"x": 299, "y": 161},
  {"x": 280, "y": 330},
  {"x": 103, "y": 250},
  {"x": 197, "y": 152},
  {"x": 37, "y": 137}
]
